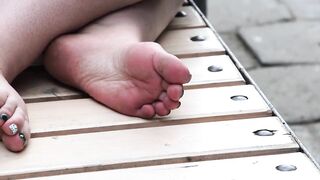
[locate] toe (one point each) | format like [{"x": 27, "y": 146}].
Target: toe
[
  {"x": 171, "y": 68},
  {"x": 169, "y": 104},
  {"x": 146, "y": 111},
  {"x": 3, "y": 96},
  {"x": 161, "y": 109},
  {"x": 17, "y": 142},
  {"x": 7, "y": 110},
  {"x": 13, "y": 125},
  {"x": 175, "y": 92}
]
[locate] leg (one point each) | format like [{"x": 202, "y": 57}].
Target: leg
[
  {"x": 26, "y": 28},
  {"x": 108, "y": 61}
]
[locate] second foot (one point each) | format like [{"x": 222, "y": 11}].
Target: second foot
[
  {"x": 14, "y": 125},
  {"x": 137, "y": 79}
]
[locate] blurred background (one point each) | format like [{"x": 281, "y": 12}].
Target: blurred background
[{"x": 278, "y": 42}]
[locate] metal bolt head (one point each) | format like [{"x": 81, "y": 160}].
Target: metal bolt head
[
  {"x": 286, "y": 167},
  {"x": 181, "y": 14},
  {"x": 198, "y": 38},
  {"x": 264, "y": 132},
  {"x": 185, "y": 3},
  {"x": 214, "y": 68},
  {"x": 239, "y": 98}
]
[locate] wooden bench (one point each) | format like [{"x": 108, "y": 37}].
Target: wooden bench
[{"x": 224, "y": 129}]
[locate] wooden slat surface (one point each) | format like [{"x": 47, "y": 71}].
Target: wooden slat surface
[
  {"x": 249, "y": 168},
  {"x": 85, "y": 115},
  {"x": 146, "y": 146},
  {"x": 178, "y": 42},
  {"x": 202, "y": 77},
  {"x": 191, "y": 20}
]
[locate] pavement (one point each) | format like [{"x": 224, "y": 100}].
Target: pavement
[{"x": 278, "y": 42}]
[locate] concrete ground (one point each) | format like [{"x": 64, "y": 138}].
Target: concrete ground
[{"x": 278, "y": 41}]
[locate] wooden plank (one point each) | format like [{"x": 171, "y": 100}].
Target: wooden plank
[
  {"x": 208, "y": 102},
  {"x": 35, "y": 85},
  {"x": 179, "y": 43},
  {"x": 222, "y": 72},
  {"x": 146, "y": 146},
  {"x": 198, "y": 105},
  {"x": 191, "y": 19},
  {"x": 259, "y": 167}
]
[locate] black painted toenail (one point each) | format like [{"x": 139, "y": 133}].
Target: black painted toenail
[
  {"x": 179, "y": 105},
  {"x": 4, "y": 117},
  {"x": 23, "y": 138}
]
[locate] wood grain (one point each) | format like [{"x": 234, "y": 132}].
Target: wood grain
[
  {"x": 198, "y": 105},
  {"x": 145, "y": 147},
  {"x": 178, "y": 42}
]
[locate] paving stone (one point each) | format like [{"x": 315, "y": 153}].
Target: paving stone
[
  {"x": 293, "y": 90},
  {"x": 291, "y": 42},
  {"x": 238, "y": 48},
  {"x": 304, "y": 9},
  {"x": 228, "y": 15},
  {"x": 309, "y": 135}
]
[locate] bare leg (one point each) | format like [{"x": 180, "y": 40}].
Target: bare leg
[
  {"x": 109, "y": 62},
  {"x": 26, "y": 28}
]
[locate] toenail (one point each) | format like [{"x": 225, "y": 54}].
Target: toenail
[
  {"x": 4, "y": 117},
  {"x": 182, "y": 93},
  {"x": 179, "y": 105},
  {"x": 13, "y": 128},
  {"x": 23, "y": 138}
]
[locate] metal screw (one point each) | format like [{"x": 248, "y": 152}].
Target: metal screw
[
  {"x": 264, "y": 132},
  {"x": 239, "y": 98},
  {"x": 286, "y": 167},
  {"x": 214, "y": 68},
  {"x": 181, "y": 14},
  {"x": 198, "y": 38}
]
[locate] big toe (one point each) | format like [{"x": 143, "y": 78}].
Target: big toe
[
  {"x": 171, "y": 68},
  {"x": 15, "y": 143},
  {"x": 15, "y": 130},
  {"x": 168, "y": 66}
]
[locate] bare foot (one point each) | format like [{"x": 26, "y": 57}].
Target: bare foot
[
  {"x": 14, "y": 123},
  {"x": 137, "y": 79}
]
